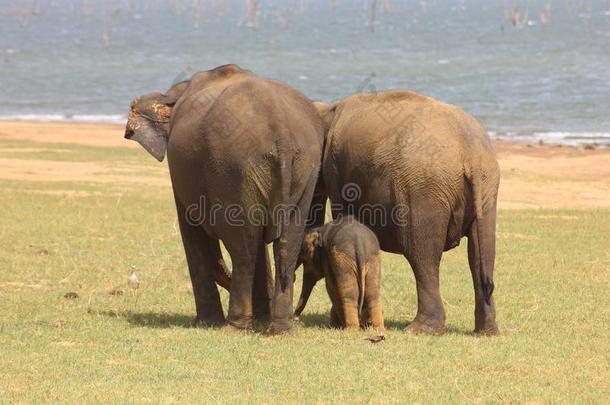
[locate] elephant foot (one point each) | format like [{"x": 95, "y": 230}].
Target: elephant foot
[
  {"x": 489, "y": 330},
  {"x": 279, "y": 328},
  {"x": 420, "y": 328},
  {"x": 229, "y": 327},
  {"x": 199, "y": 322},
  {"x": 240, "y": 325},
  {"x": 370, "y": 326},
  {"x": 485, "y": 324}
]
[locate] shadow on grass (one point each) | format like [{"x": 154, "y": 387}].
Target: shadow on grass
[
  {"x": 323, "y": 321},
  {"x": 152, "y": 319},
  {"x": 312, "y": 320},
  {"x": 316, "y": 320}
]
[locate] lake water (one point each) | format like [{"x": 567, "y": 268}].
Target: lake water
[{"x": 85, "y": 60}]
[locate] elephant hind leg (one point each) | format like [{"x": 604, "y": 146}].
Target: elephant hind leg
[
  {"x": 483, "y": 242},
  {"x": 425, "y": 251},
  {"x": 203, "y": 256},
  {"x": 335, "y": 318},
  {"x": 243, "y": 246},
  {"x": 262, "y": 288}
]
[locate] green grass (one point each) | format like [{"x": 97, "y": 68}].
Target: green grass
[{"x": 552, "y": 296}]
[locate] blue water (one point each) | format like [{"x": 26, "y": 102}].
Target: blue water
[{"x": 532, "y": 81}]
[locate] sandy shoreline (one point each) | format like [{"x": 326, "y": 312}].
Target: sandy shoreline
[{"x": 533, "y": 175}]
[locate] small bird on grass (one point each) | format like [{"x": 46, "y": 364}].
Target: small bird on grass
[{"x": 133, "y": 280}]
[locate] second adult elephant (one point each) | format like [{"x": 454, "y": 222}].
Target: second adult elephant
[{"x": 421, "y": 174}]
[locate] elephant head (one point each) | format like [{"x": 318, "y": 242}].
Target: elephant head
[
  {"x": 311, "y": 254},
  {"x": 148, "y": 121}
]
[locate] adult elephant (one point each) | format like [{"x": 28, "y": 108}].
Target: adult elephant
[
  {"x": 244, "y": 155},
  {"x": 422, "y": 174}
]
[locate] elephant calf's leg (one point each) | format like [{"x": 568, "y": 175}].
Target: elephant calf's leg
[
  {"x": 348, "y": 294},
  {"x": 372, "y": 299},
  {"x": 350, "y": 313},
  {"x": 375, "y": 315}
]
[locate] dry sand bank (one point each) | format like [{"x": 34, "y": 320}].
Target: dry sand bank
[
  {"x": 108, "y": 135},
  {"x": 533, "y": 175}
]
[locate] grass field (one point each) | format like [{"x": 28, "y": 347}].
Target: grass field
[{"x": 85, "y": 235}]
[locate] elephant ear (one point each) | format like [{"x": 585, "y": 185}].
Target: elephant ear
[
  {"x": 150, "y": 140},
  {"x": 148, "y": 123},
  {"x": 176, "y": 91},
  {"x": 160, "y": 110},
  {"x": 311, "y": 244},
  {"x": 317, "y": 242}
]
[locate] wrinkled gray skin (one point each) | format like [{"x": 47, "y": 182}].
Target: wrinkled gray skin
[
  {"x": 430, "y": 167},
  {"x": 345, "y": 253},
  {"x": 236, "y": 144}
]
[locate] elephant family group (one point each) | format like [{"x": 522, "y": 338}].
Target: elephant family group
[{"x": 253, "y": 161}]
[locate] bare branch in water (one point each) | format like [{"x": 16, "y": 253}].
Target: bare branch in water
[
  {"x": 222, "y": 7},
  {"x": 385, "y": 6},
  {"x": 87, "y": 9},
  {"x": 517, "y": 19},
  {"x": 175, "y": 7},
  {"x": 372, "y": 15},
  {"x": 105, "y": 36},
  {"x": 35, "y": 8},
  {"x": 545, "y": 15},
  {"x": 23, "y": 14},
  {"x": 252, "y": 14},
  {"x": 196, "y": 12}
]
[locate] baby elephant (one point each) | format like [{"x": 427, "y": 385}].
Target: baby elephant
[{"x": 347, "y": 254}]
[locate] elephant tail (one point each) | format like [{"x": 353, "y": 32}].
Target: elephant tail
[
  {"x": 482, "y": 235},
  {"x": 360, "y": 276},
  {"x": 283, "y": 214}
]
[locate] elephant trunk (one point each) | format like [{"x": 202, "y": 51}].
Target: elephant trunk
[
  {"x": 223, "y": 276},
  {"x": 309, "y": 282}
]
